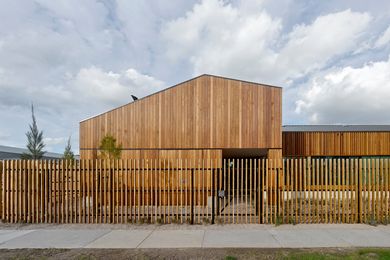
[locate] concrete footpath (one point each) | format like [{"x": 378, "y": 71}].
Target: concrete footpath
[{"x": 184, "y": 236}]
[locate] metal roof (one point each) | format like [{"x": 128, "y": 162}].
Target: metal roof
[
  {"x": 18, "y": 151},
  {"x": 336, "y": 128}
]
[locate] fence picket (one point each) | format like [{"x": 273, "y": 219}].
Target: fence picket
[
  {"x": 346, "y": 196},
  {"x": 263, "y": 183},
  {"x": 377, "y": 192},
  {"x": 228, "y": 204},
  {"x": 302, "y": 190},
  {"x": 232, "y": 202},
  {"x": 387, "y": 172}
]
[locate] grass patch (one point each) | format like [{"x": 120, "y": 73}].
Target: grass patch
[
  {"x": 85, "y": 257},
  {"x": 229, "y": 257},
  {"x": 377, "y": 253},
  {"x": 366, "y": 253}
]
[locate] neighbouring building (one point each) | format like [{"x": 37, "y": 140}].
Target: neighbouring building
[
  {"x": 336, "y": 140},
  {"x": 14, "y": 153}
]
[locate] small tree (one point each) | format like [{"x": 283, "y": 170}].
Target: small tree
[
  {"x": 35, "y": 143},
  {"x": 109, "y": 149},
  {"x": 68, "y": 154}
]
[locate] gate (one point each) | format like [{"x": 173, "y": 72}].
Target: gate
[{"x": 238, "y": 191}]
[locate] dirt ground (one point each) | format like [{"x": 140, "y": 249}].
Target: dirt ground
[{"x": 228, "y": 254}]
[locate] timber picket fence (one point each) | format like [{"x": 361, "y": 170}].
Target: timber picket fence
[{"x": 305, "y": 190}]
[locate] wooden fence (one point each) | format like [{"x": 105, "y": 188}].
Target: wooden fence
[
  {"x": 196, "y": 191},
  {"x": 1, "y": 188}
]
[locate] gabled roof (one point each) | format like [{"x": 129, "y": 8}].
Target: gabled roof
[
  {"x": 178, "y": 84},
  {"x": 336, "y": 128}
]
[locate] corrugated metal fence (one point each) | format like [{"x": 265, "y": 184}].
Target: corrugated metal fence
[{"x": 196, "y": 191}]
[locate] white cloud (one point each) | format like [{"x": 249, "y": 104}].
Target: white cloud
[
  {"x": 349, "y": 95},
  {"x": 89, "y": 92},
  {"x": 72, "y": 63},
  {"x": 139, "y": 23},
  {"x": 217, "y": 37},
  {"x": 111, "y": 88},
  {"x": 59, "y": 108},
  {"x": 77, "y": 62},
  {"x": 310, "y": 47},
  {"x": 384, "y": 39}
]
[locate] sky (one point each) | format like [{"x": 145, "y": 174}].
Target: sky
[{"x": 74, "y": 59}]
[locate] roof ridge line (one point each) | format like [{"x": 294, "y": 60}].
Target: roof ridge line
[{"x": 180, "y": 83}]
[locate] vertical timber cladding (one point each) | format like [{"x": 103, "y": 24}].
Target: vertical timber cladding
[
  {"x": 207, "y": 112},
  {"x": 170, "y": 172},
  {"x": 359, "y": 143},
  {"x": 192, "y": 120},
  {"x": 275, "y": 174}
]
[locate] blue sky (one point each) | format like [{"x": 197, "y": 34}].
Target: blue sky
[{"x": 74, "y": 59}]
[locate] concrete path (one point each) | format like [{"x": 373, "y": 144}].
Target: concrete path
[{"x": 183, "y": 236}]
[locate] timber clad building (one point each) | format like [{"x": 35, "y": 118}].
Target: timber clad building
[
  {"x": 336, "y": 140},
  {"x": 216, "y": 117},
  {"x": 205, "y": 117}
]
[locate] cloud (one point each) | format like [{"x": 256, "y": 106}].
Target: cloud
[
  {"x": 348, "y": 95},
  {"x": 310, "y": 47},
  {"x": 384, "y": 39},
  {"x": 108, "y": 88},
  {"x": 217, "y": 37},
  {"x": 59, "y": 108},
  {"x": 89, "y": 92},
  {"x": 74, "y": 63},
  {"x": 71, "y": 62}
]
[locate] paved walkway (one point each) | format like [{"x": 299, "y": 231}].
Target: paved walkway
[{"x": 175, "y": 236}]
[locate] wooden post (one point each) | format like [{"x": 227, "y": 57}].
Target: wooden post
[
  {"x": 218, "y": 188},
  {"x": 277, "y": 175},
  {"x": 192, "y": 196},
  {"x": 212, "y": 197},
  {"x": 359, "y": 189},
  {"x": 275, "y": 168}
]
